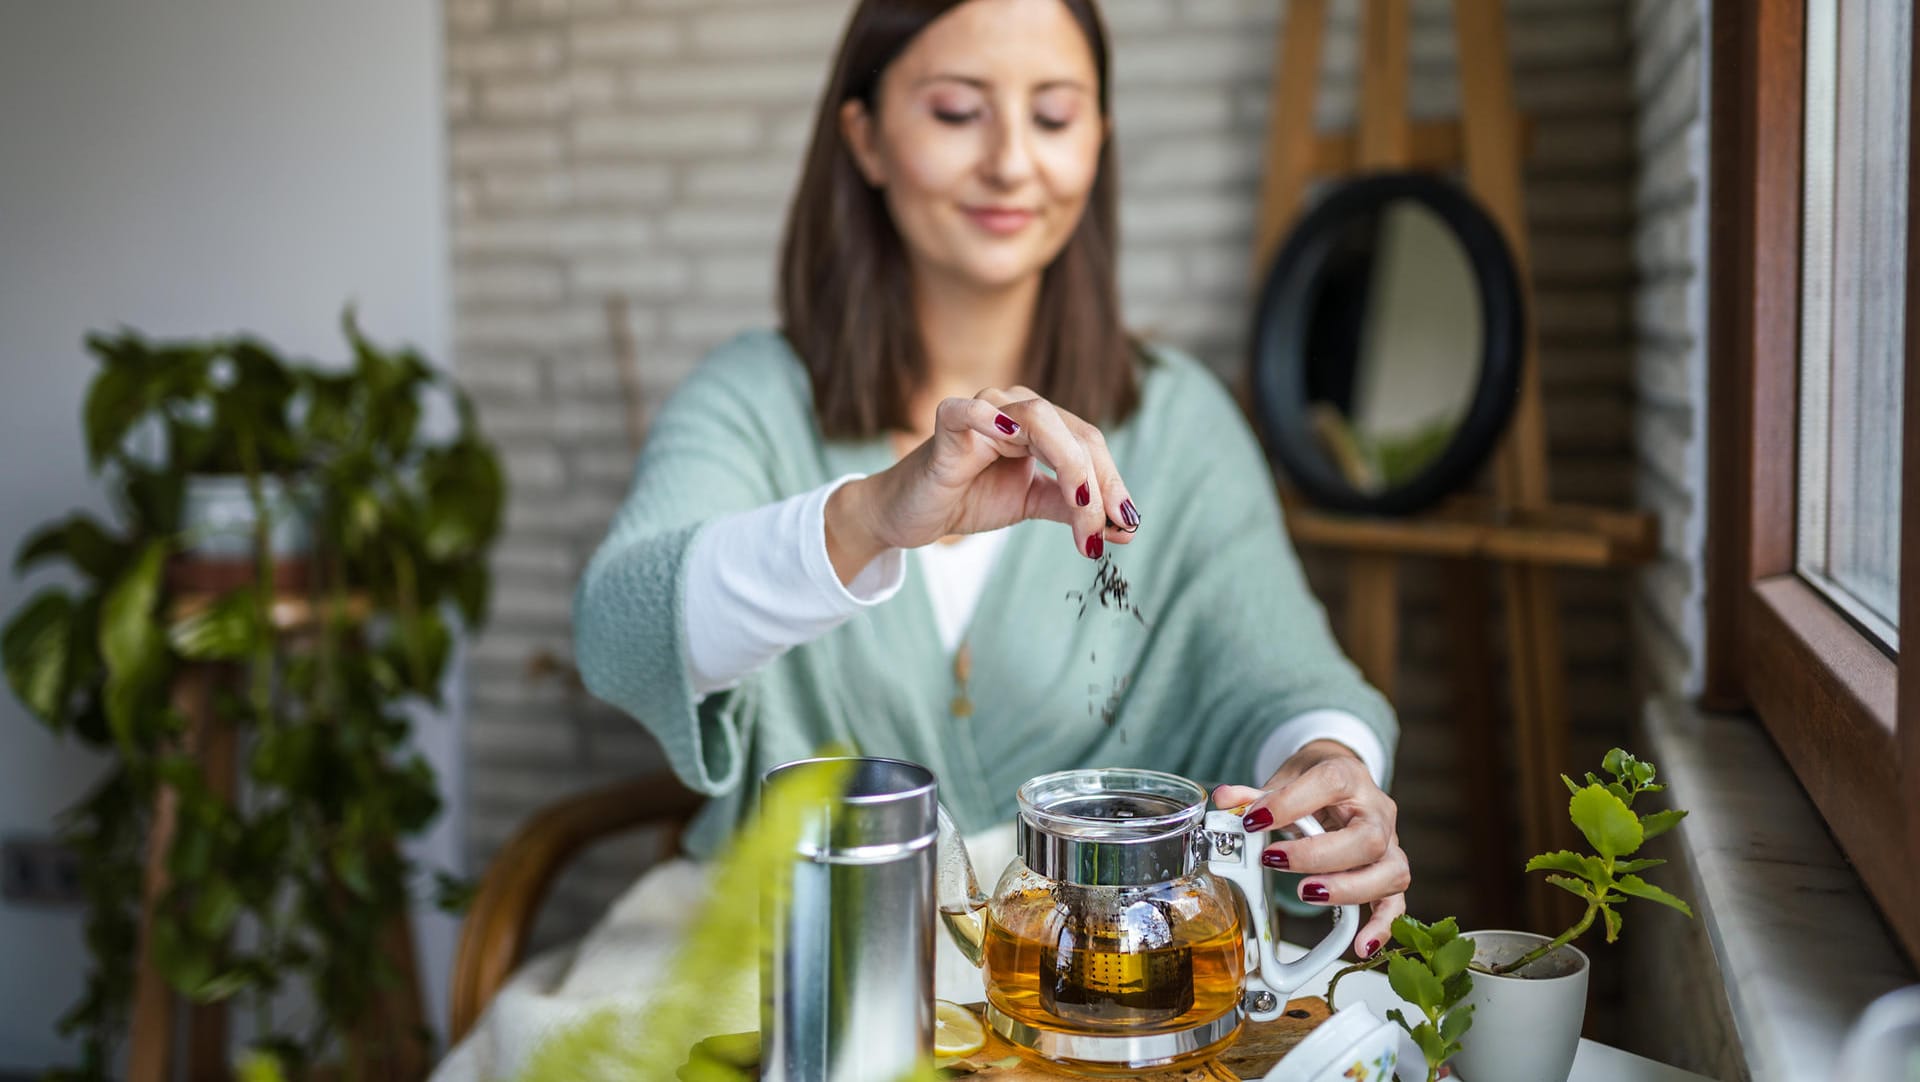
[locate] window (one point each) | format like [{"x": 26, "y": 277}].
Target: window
[
  {"x": 1853, "y": 264},
  {"x": 1814, "y": 404}
]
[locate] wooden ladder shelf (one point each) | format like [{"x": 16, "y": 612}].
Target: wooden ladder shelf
[{"x": 1518, "y": 533}]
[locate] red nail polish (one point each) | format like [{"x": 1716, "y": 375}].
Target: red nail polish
[
  {"x": 1084, "y": 496},
  {"x": 1274, "y": 858},
  {"x": 1257, "y": 819},
  {"x": 1095, "y": 546},
  {"x": 1373, "y": 947},
  {"x": 1128, "y": 515},
  {"x": 1314, "y": 892},
  {"x": 1005, "y": 424}
]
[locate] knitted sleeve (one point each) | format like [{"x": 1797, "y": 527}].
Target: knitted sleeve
[{"x": 708, "y": 453}]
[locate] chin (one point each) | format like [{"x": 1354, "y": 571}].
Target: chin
[{"x": 998, "y": 270}]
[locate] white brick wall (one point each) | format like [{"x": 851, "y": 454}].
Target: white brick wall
[
  {"x": 1678, "y": 1013},
  {"x": 646, "y": 149},
  {"x": 1669, "y": 323}
]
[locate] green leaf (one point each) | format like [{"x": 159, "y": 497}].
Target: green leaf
[
  {"x": 186, "y": 963},
  {"x": 1414, "y": 983},
  {"x": 1616, "y": 762},
  {"x": 1640, "y": 888},
  {"x": 115, "y": 401},
  {"x": 222, "y": 986},
  {"x": 1452, "y": 958},
  {"x": 1456, "y": 1022},
  {"x": 453, "y": 894},
  {"x": 216, "y": 908},
  {"x": 1654, "y": 824},
  {"x": 153, "y": 497},
  {"x": 1577, "y": 887},
  {"x": 226, "y": 630},
  {"x": 1394, "y": 1014},
  {"x": 81, "y": 539},
  {"x": 1432, "y": 1045},
  {"x": 1566, "y": 860},
  {"x": 1413, "y": 934},
  {"x": 1610, "y": 826},
  {"x": 1457, "y": 987},
  {"x": 471, "y": 587},
  {"x": 428, "y": 645},
  {"x": 464, "y": 490},
  {"x": 1612, "y": 919},
  {"x": 1572, "y": 786},
  {"x": 132, "y": 646},
  {"x": 38, "y": 650},
  {"x": 350, "y": 864},
  {"x": 1622, "y": 867}
]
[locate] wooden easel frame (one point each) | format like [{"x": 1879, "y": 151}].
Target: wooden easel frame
[{"x": 1519, "y": 532}]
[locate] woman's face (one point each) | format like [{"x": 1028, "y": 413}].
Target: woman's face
[{"x": 986, "y": 139}]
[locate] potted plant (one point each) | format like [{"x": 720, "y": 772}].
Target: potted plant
[
  {"x": 1524, "y": 995},
  {"x": 377, "y": 526}
]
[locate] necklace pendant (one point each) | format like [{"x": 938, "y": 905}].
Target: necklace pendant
[{"x": 961, "y": 706}]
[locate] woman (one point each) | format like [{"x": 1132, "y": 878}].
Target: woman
[{"x": 953, "y": 400}]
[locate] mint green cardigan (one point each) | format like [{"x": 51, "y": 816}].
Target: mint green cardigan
[{"x": 1230, "y": 642}]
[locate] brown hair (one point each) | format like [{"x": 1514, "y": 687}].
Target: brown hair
[{"x": 845, "y": 300}]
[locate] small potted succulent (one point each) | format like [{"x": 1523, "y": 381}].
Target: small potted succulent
[{"x": 1524, "y": 995}]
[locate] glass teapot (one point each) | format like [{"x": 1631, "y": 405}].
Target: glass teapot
[{"x": 1113, "y": 942}]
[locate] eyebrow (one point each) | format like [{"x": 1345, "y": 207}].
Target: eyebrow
[{"x": 982, "y": 84}]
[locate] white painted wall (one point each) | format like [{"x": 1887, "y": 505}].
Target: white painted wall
[{"x": 190, "y": 168}]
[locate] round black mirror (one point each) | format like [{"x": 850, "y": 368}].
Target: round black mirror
[{"x": 1387, "y": 346}]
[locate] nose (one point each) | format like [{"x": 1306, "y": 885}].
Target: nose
[{"x": 1009, "y": 161}]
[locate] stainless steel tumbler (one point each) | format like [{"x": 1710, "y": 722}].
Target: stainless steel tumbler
[{"x": 846, "y": 976}]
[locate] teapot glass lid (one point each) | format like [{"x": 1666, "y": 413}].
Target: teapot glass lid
[{"x": 1112, "y": 804}]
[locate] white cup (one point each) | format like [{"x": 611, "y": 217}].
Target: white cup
[{"x": 1355, "y": 1044}]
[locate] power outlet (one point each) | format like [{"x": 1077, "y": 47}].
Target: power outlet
[{"x": 39, "y": 871}]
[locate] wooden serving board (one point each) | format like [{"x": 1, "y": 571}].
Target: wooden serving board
[{"x": 1260, "y": 1046}]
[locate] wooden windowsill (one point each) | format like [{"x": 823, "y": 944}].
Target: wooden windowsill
[{"x": 1800, "y": 948}]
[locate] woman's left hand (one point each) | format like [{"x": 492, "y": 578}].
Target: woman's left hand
[{"x": 1358, "y": 860}]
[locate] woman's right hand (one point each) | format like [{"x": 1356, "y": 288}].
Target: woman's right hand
[{"x": 979, "y": 471}]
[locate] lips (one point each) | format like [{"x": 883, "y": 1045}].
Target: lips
[{"x": 1000, "y": 221}]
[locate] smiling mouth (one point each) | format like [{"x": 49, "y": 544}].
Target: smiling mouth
[{"x": 1001, "y": 221}]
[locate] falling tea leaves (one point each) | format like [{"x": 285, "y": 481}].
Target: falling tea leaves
[{"x": 1112, "y": 592}]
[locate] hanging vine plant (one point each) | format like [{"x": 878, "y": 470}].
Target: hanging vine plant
[{"x": 397, "y": 512}]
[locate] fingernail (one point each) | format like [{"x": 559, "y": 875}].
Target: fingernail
[
  {"x": 1274, "y": 858},
  {"x": 1257, "y": 819},
  {"x": 1129, "y": 515},
  {"x": 1095, "y": 546},
  {"x": 1373, "y": 945},
  {"x": 1005, "y": 424},
  {"x": 1314, "y": 892},
  {"x": 1084, "y": 496}
]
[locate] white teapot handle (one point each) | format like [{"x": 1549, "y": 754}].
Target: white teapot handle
[{"x": 1234, "y": 855}]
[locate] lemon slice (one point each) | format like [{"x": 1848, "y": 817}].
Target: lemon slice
[{"x": 956, "y": 1032}]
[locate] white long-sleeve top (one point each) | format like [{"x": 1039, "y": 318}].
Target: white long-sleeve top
[{"x": 760, "y": 582}]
